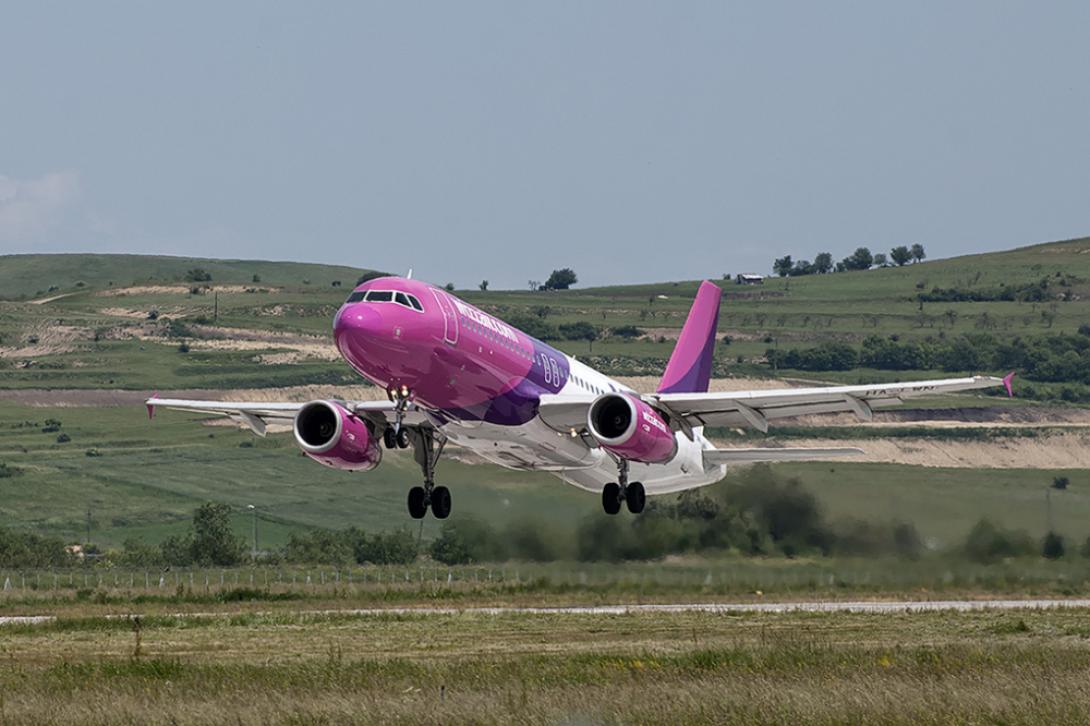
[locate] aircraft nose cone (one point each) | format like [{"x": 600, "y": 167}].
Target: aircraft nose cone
[{"x": 358, "y": 322}]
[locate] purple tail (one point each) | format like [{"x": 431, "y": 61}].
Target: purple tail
[{"x": 690, "y": 366}]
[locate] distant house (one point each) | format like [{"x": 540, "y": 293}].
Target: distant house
[{"x": 749, "y": 278}]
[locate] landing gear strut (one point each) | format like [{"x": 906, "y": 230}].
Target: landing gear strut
[
  {"x": 397, "y": 436},
  {"x": 428, "y": 445},
  {"x": 632, "y": 494}
]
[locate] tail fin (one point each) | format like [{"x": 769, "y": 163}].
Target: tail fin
[{"x": 690, "y": 366}]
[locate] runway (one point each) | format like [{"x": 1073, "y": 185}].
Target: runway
[{"x": 861, "y": 606}]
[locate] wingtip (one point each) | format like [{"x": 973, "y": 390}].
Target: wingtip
[{"x": 150, "y": 403}]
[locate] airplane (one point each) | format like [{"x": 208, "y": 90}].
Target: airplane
[{"x": 453, "y": 372}]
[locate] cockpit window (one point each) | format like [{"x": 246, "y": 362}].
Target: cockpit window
[{"x": 386, "y": 296}]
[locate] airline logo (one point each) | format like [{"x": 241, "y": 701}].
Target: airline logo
[
  {"x": 486, "y": 321},
  {"x": 651, "y": 418}
]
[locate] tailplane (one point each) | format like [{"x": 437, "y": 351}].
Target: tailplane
[{"x": 690, "y": 366}]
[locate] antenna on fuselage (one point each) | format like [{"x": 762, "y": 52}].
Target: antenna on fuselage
[{"x": 409, "y": 276}]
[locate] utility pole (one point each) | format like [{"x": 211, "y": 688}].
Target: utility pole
[
  {"x": 216, "y": 306},
  {"x": 253, "y": 516},
  {"x": 88, "y": 540}
]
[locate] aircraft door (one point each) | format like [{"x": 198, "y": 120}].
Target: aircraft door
[{"x": 450, "y": 316}]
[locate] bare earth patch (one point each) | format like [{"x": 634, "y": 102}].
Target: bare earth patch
[
  {"x": 179, "y": 289},
  {"x": 46, "y": 340}
]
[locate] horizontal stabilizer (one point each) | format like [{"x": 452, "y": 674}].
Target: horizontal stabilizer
[{"x": 715, "y": 457}]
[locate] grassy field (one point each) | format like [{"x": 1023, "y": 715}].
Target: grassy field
[
  {"x": 144, "y": 479},
  {"x": 1011, "y": 667},
  {"x": 98, "y": 335}
]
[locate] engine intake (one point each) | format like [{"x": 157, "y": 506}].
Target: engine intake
[
  {"x": 329, "y": 433},
  {"x": 627, "y": 427}
]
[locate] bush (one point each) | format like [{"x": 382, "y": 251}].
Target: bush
[
  {"x": 581, "y": 330},
  {"x": 63, "y": 438},
  {"x": 198, "y": 274},
  {"x": 1052, "y": 546},
  {"x": 468, "y": 540},
  {"x": 987, "y": 543},
  {"x": 627, "y": 331}
]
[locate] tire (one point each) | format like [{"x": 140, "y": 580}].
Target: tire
[
  {"x": 418, "y": 505},
  {"x": 389, "y": 438},
  {"x": 403, "y": 439},
  {"x": 440, "y": 502},
  {"x": 635, "y": 497},
  {"x": 611, "y": 498}
]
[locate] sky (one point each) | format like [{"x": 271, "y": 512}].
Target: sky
[{"x": 631, "y": 141}]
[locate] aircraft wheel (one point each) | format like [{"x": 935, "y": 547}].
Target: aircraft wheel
[
  {"x": 403, "y": 439},
  {"x": 389, "y": 438},
  {"x": 440, "y": 502},
  {"x": 635, "y": 497},
  {"x": 418, "y": 502},
  {"x": 611, "y": 498}
]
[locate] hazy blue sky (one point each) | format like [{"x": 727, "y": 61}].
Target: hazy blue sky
[{"x": 632, "y": 141}]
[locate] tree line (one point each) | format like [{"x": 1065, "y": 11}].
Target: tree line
[
  {"x": 861, "y": 259},
  {"x": 759, "y": 513}
]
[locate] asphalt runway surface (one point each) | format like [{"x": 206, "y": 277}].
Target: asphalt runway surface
[{"x": 889, "y": 607}]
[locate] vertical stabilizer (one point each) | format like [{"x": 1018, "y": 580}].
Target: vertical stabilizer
[{"x": 690, "y": 366}]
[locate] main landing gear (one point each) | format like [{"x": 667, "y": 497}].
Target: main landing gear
[
  {"x": 632, "y": 494},
  {"x": 428, "y": 445}
]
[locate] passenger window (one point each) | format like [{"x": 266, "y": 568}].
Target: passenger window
[
  {"x": 356, "y": 297},
  {"x": 380, "y": 296}
]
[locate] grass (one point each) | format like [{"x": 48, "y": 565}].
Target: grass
[
  {"x": 645, "y": 668},
  {"x": 788, "y": 313},
  {"x": 80, "y": 592},
  {"x": 148, "y": 477}
]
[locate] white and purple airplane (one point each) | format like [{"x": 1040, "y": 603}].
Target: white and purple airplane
[{"x": 455, "y": 373}]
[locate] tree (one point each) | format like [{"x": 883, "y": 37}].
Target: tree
[
  {"x": 483, "y": 285},
  {"x": 449, "y": 287},
  {"x": 900, "y": 255},
  {"x": 214, "y": 542},
  {"x": 880, "y": 259},
  {"x": 561, "y": 279},
  {"x": 823, "y": 263},
  {"x": 802, "y": 267},
  {"x": 256, "y": 278},
  {"x": 917, "y": 252},
  {"x": 861, "y": 259},
  {"x": 198, "y": 274},
  {"x": 783, "y": 265},
  {"x": 1052, "y": 547}
]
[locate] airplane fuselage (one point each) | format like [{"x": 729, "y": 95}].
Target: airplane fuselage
[{"x": 480, "y": 380}]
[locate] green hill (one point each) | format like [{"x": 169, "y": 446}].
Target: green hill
[
  {"x": 26, "y": 276},
  {"x": 124, "y": 326}
]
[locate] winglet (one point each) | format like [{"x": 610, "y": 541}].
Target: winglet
[
  {"x": 1007, "y": 384},
  {"x": 150, "y": 403}
]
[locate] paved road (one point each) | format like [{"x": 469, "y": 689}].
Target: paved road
[{"x": 906, "y": 606}]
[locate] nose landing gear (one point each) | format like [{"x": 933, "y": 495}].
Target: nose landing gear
[
  {"x": 632, "y": 494},
  {"x": 397, "y": 436}
]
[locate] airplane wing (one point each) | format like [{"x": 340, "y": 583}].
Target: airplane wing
[
  {"x": 758, "y": 408},
  {"x": 257, "y": 415}
]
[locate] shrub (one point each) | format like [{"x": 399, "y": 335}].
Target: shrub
[
  {"x": 468, "y": 540},
  {"x": 987, "y": 543},
  {"x": 1052, "y": 546},
  {"x": 626, "y": 331}
]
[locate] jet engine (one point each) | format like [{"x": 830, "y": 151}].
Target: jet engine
[
  {"x": 331, "y": 434},
  {"x": 626, "y": 426}
]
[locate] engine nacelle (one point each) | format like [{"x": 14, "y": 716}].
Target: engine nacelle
[
  {"x": 331, "y": 434},
  {"x": 626, "y": 426}
]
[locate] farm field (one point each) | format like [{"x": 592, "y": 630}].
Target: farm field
[{"x": 1012, "y": 667}]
